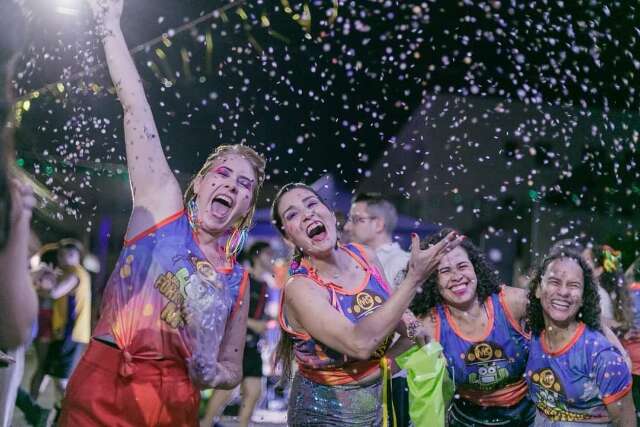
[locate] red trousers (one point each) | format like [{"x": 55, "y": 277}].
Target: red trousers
[{"x": 149, "y": 392}]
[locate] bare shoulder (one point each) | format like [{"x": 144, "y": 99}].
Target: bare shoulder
[
  {"x": 299, "y": 288},
  {"x": 516, "y": 294},
  {"x": 516, "y": 300}
]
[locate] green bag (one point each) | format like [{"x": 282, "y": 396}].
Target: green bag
[{"x": 430, "y": 387}]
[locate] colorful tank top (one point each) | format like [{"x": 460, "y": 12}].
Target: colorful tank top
[
  {"x": 576, "y": 382},
  {"x": 322, "y": 364},
  {"x": 487, "y": 371},
  {"x": 143, "y": 299}
]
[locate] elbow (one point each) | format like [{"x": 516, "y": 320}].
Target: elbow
[
  {"x": 231, "y": 383},
  {"x": 363, "y": 350}
]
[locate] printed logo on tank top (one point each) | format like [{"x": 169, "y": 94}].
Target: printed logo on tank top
[
  {"x": 174, "y": 286},
  {"x": 550, "y": 397},
  {"x": 364, "y": 303},
  {"x": 488, "y": 361}
]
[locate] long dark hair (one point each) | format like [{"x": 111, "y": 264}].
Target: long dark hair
[
  {"x": 613, "y": 281},
  {"x": 12, "y": 21},
  {"x": 429, "y": 295},
  {"x": 284, "y": 351},
  {"x": 589, "y": 313}
]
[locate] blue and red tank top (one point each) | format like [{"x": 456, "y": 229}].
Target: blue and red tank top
[
  {"x": 487, "y": 371},
  {"x": 317, "y": 361},
  {"x": 576, "y": 382},
  {"x": 143, "y": 299}
]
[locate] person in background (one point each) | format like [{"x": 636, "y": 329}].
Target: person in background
[
  {"x": 615, "y": 304},
  {"x": 576, "y": 374},
  {"x": 260, "y": 257},
  {"x": 371, "y": 222},
  {"x": 70, "y": 317},
  {"x": 44, "y": 280}
]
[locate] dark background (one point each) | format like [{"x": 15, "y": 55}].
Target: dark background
[{"x": 332, "y": 87}]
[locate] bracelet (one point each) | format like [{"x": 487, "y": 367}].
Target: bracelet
[{"x": 412, "y": 329}]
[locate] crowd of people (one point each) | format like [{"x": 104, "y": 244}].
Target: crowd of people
[{"x": 186, "y": 309}]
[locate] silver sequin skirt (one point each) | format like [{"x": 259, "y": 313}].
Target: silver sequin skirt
[{"x": 313, "y": 404}]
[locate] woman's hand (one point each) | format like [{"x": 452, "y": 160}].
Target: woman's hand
[
  {"x": 22, "y": 201},
  {"x": 423, "y": 262},
  {"x": 106, "y": 12}
]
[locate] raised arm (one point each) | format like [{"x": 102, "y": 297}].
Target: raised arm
[
  {"x": 310, "y": 310},
  {"x": 156, "y": 192},
  {"x": 17, "y": 296}
]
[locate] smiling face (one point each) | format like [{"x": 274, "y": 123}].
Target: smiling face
[
  {"x": 224, "y": 194},
  {"x": 457, "y": 281},
  {"x": 560, "y": 291},
  {"x": 307, "y": 223}
]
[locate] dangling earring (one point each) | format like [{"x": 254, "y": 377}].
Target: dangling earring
[
  {"x": 236, "y": 242},
  {"x": 192, "y": 214}
]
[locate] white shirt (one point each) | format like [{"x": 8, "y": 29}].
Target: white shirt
[{"x": 393, "y": 260}]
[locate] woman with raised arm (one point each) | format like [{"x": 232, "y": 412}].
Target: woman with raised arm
[
  {"x": 577, "y": 376},
  {"x": 174, "y": 310},
  {"x": 338, "y": 314},
  {"x": 479, "y": 324}
]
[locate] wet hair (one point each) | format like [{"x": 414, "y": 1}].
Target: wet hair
[
  {"x": 284, "y": 351},
  {"x": 613, "y": 281},
  {"x": 256, "y": 161},
  {"x": 379, "y": 207},
  {"x": 589, "y": 312},
  {"x": 255, "y": 250},
  {"x": 487, "y": 276}
]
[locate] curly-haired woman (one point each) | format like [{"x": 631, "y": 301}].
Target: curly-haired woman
[
  {"x": 576, "y": 375},
  {"x": 478, "y": 322}
]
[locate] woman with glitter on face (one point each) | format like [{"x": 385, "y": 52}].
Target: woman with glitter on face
[
  {"x": 338, "y": 315},
  {"x": 174, "y": 310},
  {"x": 480, "y": 327},
  {"x": 576, "y": 375}
]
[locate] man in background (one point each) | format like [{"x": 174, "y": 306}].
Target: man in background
[{"x": 371, "y": 222}]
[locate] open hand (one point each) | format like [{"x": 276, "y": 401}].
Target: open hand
[
  {"x": 106, "y": 11},
  {"x": 423, "y": 262}
]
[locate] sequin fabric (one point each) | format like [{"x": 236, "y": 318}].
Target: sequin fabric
[{"x": 313, "y": 404}]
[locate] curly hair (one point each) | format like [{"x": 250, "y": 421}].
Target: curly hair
[
  {"x": 429, "y": 295},
  {"x": 613, "y": 281},
  {"x": 589, "y": 312}
]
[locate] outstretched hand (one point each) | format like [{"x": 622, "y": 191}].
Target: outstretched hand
[
  {"x": 106, "y": 11},
  {"x": 423, "y": 262}
]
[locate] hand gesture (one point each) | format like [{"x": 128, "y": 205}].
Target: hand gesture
[
  {"x": 106, "y": 11},
  {"x": 22, "y": 201},
  {"x": 423, "y": 262}
]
